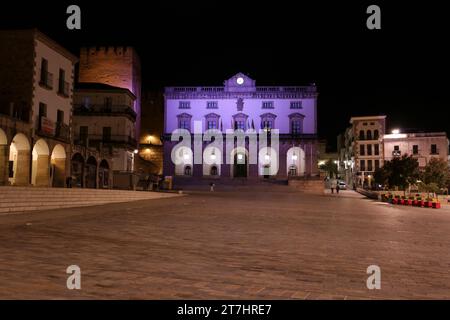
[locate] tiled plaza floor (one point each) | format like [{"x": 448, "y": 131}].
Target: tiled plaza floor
[{"x": 251, "y": 243}]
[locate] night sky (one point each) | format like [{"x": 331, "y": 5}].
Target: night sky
[{"x": 401, "y": 71}]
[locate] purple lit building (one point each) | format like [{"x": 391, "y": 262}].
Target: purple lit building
[{"x": 240, "y": 104}]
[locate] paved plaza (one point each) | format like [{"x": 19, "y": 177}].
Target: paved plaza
[{"x": 265, "y": 242}]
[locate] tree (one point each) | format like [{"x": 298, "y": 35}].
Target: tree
[
  {"x": 401, "y": 172},
  {"x": 330, "y": 168},
  {"x": 437, "y": 172},
  {"x": 381, "y": 176}
]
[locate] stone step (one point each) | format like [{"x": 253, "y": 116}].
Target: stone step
[{"x": 20, "y": 199}]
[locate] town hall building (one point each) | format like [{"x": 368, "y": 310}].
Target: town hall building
[{"x": 241, "y": 105}]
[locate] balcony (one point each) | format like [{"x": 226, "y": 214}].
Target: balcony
[
  {"x": 104, "y": 110},
  {"x": 46, "y": 80},
  {"x": 396, "y": 153},
  {"x": 62, "y": 131},
  {"x": 113, "y": 140},
  {"x": 63, "y": 88},
  {"x": 51, "y": 129}
]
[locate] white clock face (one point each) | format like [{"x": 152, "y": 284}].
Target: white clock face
[{"x": 240, "y": 80}]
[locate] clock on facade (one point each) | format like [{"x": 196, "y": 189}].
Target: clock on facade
[{"x": 240, "y": 80}]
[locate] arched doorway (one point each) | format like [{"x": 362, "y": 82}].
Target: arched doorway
[
  {"x": 40, "y": 165},
  {"x": 19, "y": 160},
  {"x": 3, "y": 157},
  {"x": 187, "y": 170},
  {"x": 91, "y": 173},
  {"x": 58, "y": 161},
  {"x": 239, "y": 163},
  {"x": 183, "y": 158},
  {"x": 295, "y": 162},
  {"x": 268, "y": 162},
  {"x": 103, "y": 174},
  {"x": 212, "y": 159},
  {"x": 77, "y": 170}
]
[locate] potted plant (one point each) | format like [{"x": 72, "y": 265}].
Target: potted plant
[
  {"x": 428, "y": 202},
  {"x": 390, "y": 198},
  {"x": 419, "y": 201},
  {"x": 402, "y": 200},
  {"x": 410, "y": 200},
  {"x": 436, "y": 204},
  {"x": 396, "y": 200}
]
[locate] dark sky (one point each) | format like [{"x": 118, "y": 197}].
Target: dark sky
[{"x": 401, "y": 71}]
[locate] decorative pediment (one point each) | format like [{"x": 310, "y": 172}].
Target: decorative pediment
[
  {"x": 212, "y": 115},
  {"x": 240, "y": 83},
  {"x": 268, "y": 115},
  {"x": 184, "y": 115},
  {"x": 296, "y": 115}
]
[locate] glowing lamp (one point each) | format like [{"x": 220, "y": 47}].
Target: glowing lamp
[
  {"x": 240, "y": 156},
  {"x": 395, "y": 131},
  {"x": 136, "y": 151},
  {"x": 213, "y": 156},
  {"x": 294, "y": 157},
  {"x": 185, "y": 156},
  {"x": 267, "y": 157},
  {"x": 240, "y": 80}
]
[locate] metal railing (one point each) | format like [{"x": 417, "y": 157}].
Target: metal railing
[
  {"x": 63, "y": 88},
  {"x": 83, "y": 110},
  {"x": 46, "y": 79}
]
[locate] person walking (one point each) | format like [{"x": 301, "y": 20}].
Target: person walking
[
  {"x": 337, "y": 187},
  {"x": 333, "y": 185}
]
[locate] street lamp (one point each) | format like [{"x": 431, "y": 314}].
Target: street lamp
[{"x": 395, "y": 131}]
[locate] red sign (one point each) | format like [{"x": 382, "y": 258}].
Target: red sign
[{"x": 47, "y": 126}]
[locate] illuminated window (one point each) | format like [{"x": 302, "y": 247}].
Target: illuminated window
[
  {"x": 267, "y": 105},
  {"x": 184, "y": 105},
  {"x": 212, "y": 105}
]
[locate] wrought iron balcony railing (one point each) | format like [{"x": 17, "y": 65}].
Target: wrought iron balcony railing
[{"x": 100, "y": 109}]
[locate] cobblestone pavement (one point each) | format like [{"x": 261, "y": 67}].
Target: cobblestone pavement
[{"x": 248, "y": 243}]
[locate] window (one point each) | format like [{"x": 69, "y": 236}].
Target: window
[
  {"x": 185, "y": 124},
  {"x": 296, "y": 126},
  {"x": 240, "y": 121},
  {"x": 184, "y": 105},
  {"x": 42, "y": 110},
  {"x": 396, "y": 152},
  {"x": 212, "y": 121},
  {"x": 211, "y": 105},
  {"x": 362, "y": 165},
  {"x": 187, "y": 170},
  {"x": 365, "y": 124},
  {"x": 211, "y": 124},
  {"x": 377, "y": 164},
  {"x": 434, "y": 149},
  {"x": 296, "y": 120},
  {"x": 377, "y": 149},
  {"x": 62, "y": 87},
  {"x": 46, "y": 77},
  {"x": 293, "y": 170},
  {"x": 184, "y": 121},
  {"x": 267, "y": 105},
  {"x": 106, "y": 133},
  {"x": 267, "y": 124},
  {"x": 108, "y": 102},
  {"x": 214, "y": 171},
  {"x": 239, "y": 124},
  {"x": 396, "y": 148},
  {"x": 369, "y": 134},
  {"x": 60, "y": 116},
  {"x": 361, "y": 135},
  {"x": 362, "y": 150},
  {"x": 376, "y": 135},
  {"x": 83, "y": 133},
  {"x": 369, "y": 165},
  {"x": 296, "y": 105},
  {"x": 369, "y": 149},
  {"x": 415, "y": 149}
]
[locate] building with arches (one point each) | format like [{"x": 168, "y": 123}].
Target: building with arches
[
  {"x": 35, "y": 109},
  {"x": 241, "y": 105}
]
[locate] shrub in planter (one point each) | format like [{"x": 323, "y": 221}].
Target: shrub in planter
[
  {"x": 428, "y": 203},
  {"x": 402, "y": 200},
  {"x": 390, "y": 198},
  {"x": 410, "y": 201},
  {"x": 396, "y": 200}
]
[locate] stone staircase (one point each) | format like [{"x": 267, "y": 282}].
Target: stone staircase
[{"x": 20, "y": 199}]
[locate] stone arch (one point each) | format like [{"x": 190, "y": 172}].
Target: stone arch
[
  {"x": 77, "y": 170},
  {"x": 3, "y": 157},
  {"x": 268, "y": 162},
  {"x": 40, "y": 170},
  {"x": 91, "y": 173},
  {"x": 212, "y": 157},
  {"x": 103, "y": 174},
  {"x": 19, "y": 160},
  {"x": 239, "y": 162},
  {"x": 58, "y": 162},
  {"x": 295, "y": 161},
  {"x": 183, "y": 157}
]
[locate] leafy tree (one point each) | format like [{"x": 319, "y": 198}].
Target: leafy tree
[
  {"x": 437, "y": 172},
  {"x": 381, "y": 176},
  {"x": 330, "y": 168},
  {"x": 402, "y": 172}
]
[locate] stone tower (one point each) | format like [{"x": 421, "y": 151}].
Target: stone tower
[{"x": 116, "y": 66}]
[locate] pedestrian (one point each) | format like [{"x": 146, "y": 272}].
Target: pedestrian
[
  {"x": 69, "y": 182},
  {"x": 211, "y": 186},
  {"x": 333, "y": 185},
  {"x": 337, "y": 188}
]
